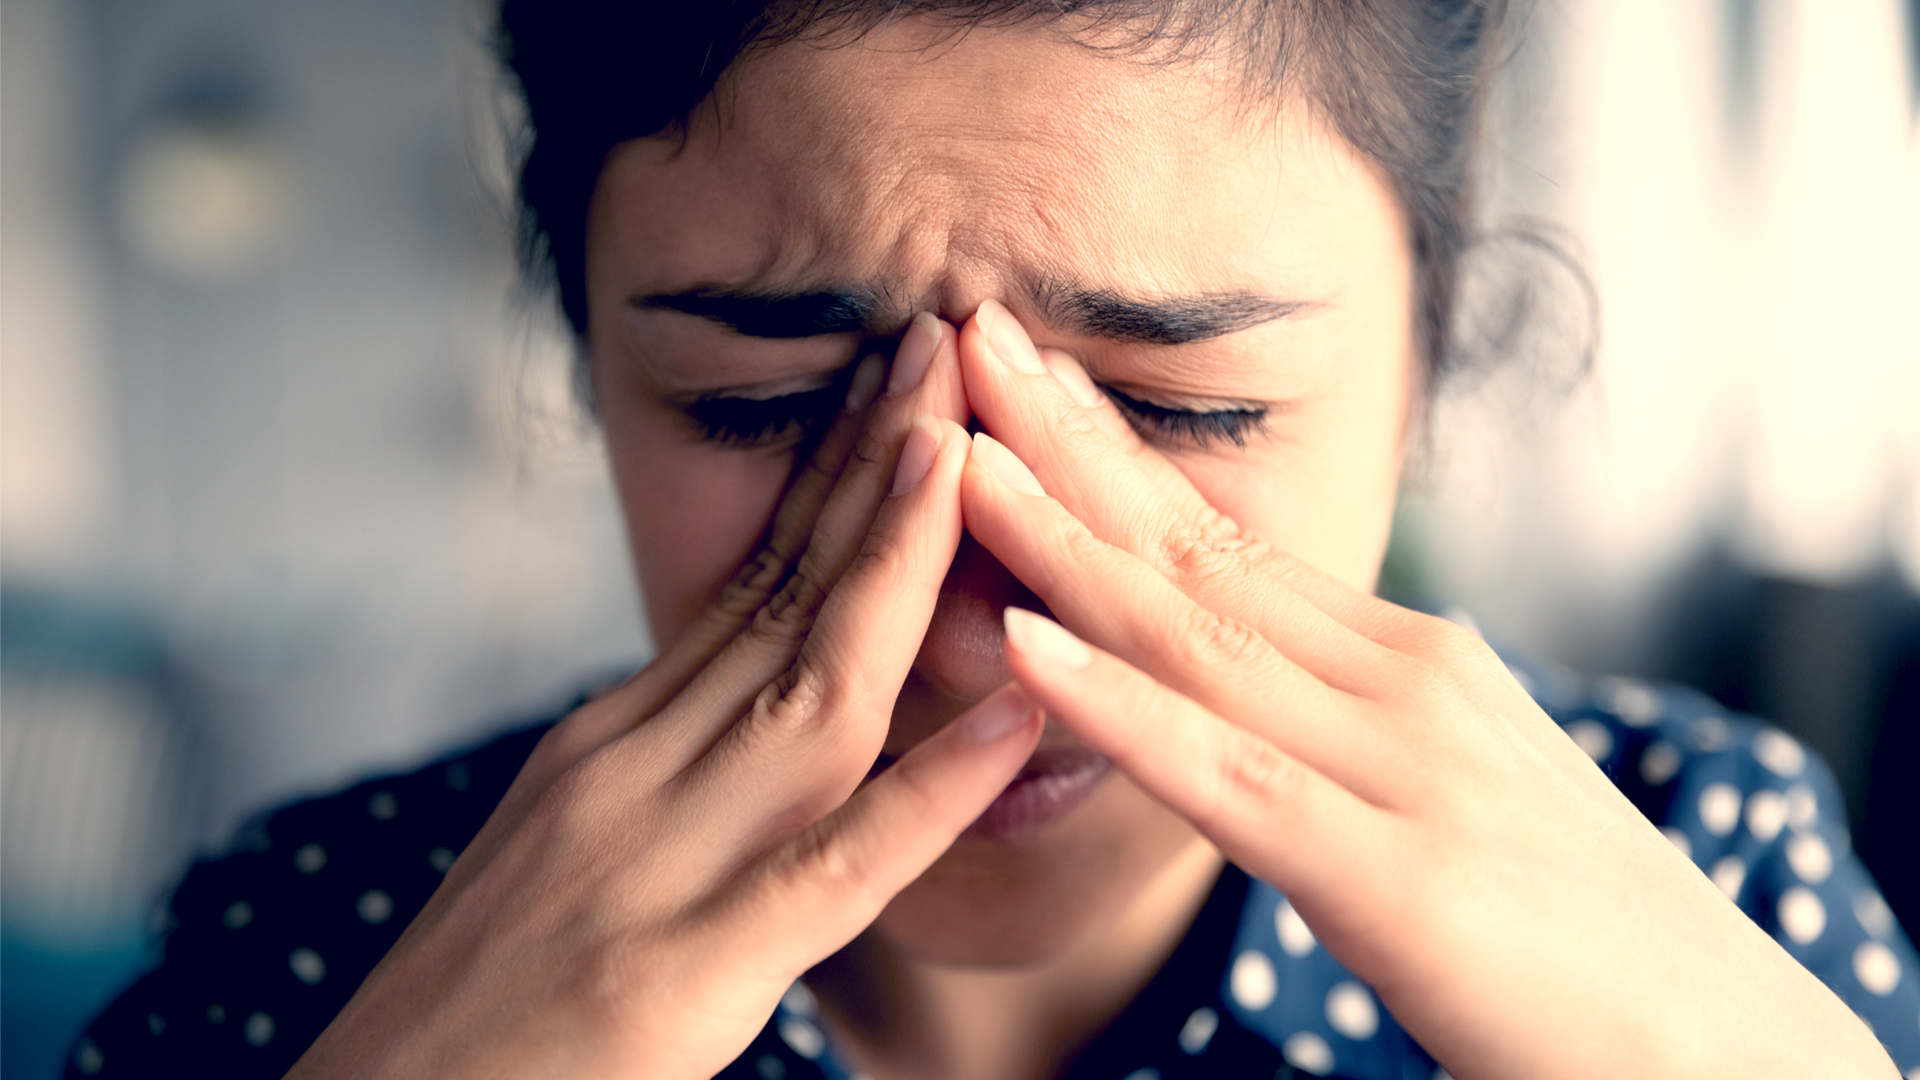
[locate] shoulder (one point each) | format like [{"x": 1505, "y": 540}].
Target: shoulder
[{"x": 266, "y": 943}]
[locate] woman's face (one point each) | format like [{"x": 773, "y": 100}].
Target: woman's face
[{"x": 1237, "y": 271}]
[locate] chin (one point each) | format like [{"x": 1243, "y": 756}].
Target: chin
[{"x": 1027, "y": 897}]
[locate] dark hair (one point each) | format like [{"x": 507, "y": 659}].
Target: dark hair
[{"x": 1402, "y": 80}]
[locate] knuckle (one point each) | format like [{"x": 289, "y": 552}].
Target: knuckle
[
  {"x": 833, "y": 864},
  {"x": 793, "y": 704},
  {"x": 789, "y": 613},
  {"x": 753, "y": 584},
  {"x": 1213, "y": 641},
  {"x": 870, "y": 450},
  {"x": 1204, "y": 550},
  {"x": 1247, "y": 772}
]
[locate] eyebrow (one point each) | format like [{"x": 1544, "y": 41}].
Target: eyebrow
[
  {"x": 763, "y": 314},
  {"x": 1078, "y": 309},
  {"x": 1169, "y": 320}
]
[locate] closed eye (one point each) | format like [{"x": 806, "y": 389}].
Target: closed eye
[
  {"x": 750, "y": 422},
  {"x": 1190, "y": 427}
]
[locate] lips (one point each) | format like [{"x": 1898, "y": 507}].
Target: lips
[
  {"x": 1052, "y": 783},
  {"x": 1048, "y": 788}
]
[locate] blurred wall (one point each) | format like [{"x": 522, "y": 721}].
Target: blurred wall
[{"x": 291, "y": 487}]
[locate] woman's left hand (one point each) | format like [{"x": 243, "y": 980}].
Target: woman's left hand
[{"x": 1438, "y": 832}]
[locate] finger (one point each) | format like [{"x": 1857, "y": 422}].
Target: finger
[
  {"x": 1129, "y": 609},
  {"x": 1062, "y": 559},
  {"x": 1271, "y": 813},
  {"x": 808, "y": 737},
  {"x": 764, "y": 648},
  {"x": 1131, "y": 496},
  {"x": 616, "y": 710},
  {"x": 832, "y": 880}
]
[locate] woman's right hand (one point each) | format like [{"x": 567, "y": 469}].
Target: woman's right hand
[{"x": 676, "y": 852}]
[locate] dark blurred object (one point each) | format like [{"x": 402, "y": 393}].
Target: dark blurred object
[
  {"x": 1836, "y": 665},
  {"x": 103, "y": 790}
]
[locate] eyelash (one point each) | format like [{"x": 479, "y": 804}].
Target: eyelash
[
  {"x": 1190, "y": 426},
  {"x": 745, "y": 423}
]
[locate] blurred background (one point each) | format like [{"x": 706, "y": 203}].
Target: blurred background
[{"x": 293, "y": 486}]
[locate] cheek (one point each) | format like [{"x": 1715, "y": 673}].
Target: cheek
[
  {"x": 1326, "y": 493},
  {"x": 694, "y": 513}
]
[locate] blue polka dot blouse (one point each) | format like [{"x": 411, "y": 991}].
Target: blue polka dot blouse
[{"x": 266, "y": 944}]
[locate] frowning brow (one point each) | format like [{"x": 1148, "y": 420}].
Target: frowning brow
[
  {"x": 771, "y": 314},
  {"x": 1071, "y": 308},
  {"x": 1164, "y": 320}
]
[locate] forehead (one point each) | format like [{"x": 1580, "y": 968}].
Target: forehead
[{"x": 944, "y": 169}]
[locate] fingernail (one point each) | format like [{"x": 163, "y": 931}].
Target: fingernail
[
  {"x": 1006, "y": 712},
  {"x": 1008, "y": 339},
  {"x": 915, "y": 353},
  {"x": 1001, "y": 462},
  {"x": 866, "y": 380},
  {"x": 1072, "y": 376},
  {"x": 1044, "y": 640},
  {"x": 916, "y": 457}
]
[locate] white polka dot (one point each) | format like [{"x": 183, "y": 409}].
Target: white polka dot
[
  {"x": 1198, "y": 1031},
  {"x": 1463, "y": 619},
  {"x": 383, "y": 805},
  {"x": 803, "y": 1037},
  {"x": 1635, "y": 703},
  {"x": 156, "y": 1023},
  {"x": 1729, "y": 874},
  {"x": 441, "y": 859},
  {"x": 1875, "y": 916},
  {"x": 1802, "y": 915},
  {"x": 1441, "y": 1073},
  {"x": 1659, "y": 763},
  {"x": 1144, "y": 1074},
  {"x": 799, "y": 999},
  {"x": 216, "y": 1014},
  {"x": 1678, "y": 838},
  {"x": 1296, "y": 938},
  {"x": 1308, "y": 1052},
  {"x": 1779, "y": 753},
  {"x": 310, "y": 859},
  {"x": 1592, "y": 737},
  {"x": 1252, "y": 981},
  {"x": 1874, "y": 965},
  {"x": 238, "y": 914},
  {"x": 374, "y": 906},
  {"x": 1766, "y": 813},
  {"x": 1525, "y": 680},
  {"x": 1809, "y": 857},
  {"x": 1351, "y": 1011},
  {"x": 1720, "y": 808},
  {"x": 1914, "y": 1073},
  {"x": 307, "y": 966},
  {"x": 770, "y": 1068},
  {"x": 1708, "y": 734},
  {"x": 259, "y": 1029},
  {"x": 1803, "y": 809},
  {"x": 88, "y": 1058}
]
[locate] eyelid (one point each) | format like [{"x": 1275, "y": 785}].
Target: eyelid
[
  {"x": 1194, "y": 403},
  {"x": 767, "y": 391}
]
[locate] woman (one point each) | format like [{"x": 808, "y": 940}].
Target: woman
[{"x": 959, "y": 745}]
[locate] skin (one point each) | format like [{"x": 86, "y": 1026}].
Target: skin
[{"x": 684, "y": 846}]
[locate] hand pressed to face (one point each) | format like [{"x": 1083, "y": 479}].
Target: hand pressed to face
[
  {"x": 1439, "y": 833},
  {"x": 677, "y": 851}
]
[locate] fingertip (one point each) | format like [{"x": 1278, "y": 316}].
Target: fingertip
[
  {"x": 1004, "y": 465},
  {"x": 1070, "y": 375}
]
